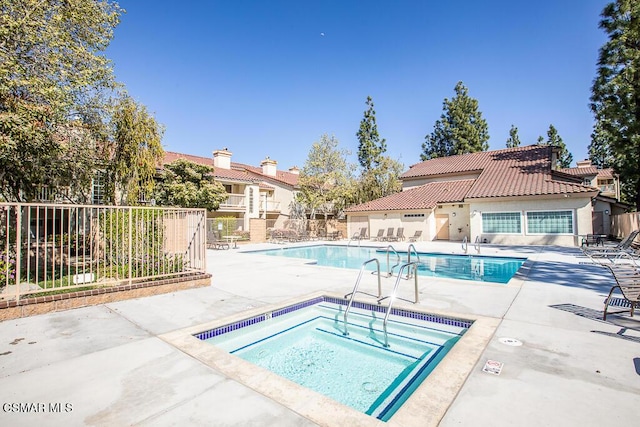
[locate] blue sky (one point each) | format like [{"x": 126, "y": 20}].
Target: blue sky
[{"x": 268, "y": 78}]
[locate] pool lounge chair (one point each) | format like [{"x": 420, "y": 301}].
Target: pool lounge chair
[
  {"x": 623, "y": 245},
  {"x": 360, "y": 235},
  {"x": 628, "y": 285},
  {"x": 214, "y": 240},
  {"x": 400, "y": 234},
  {"x": 417, "y": 235},
  {"x": 380, "y": 236},
  {"x": 390, "y": 237}
]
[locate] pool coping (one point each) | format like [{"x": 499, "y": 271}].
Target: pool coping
[{"x": 425, "y": 407}]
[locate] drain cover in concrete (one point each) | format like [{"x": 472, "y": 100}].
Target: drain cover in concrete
[{"x": 510, "y": 341}]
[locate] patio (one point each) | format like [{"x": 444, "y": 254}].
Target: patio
[{"x": 109, "y": 365}]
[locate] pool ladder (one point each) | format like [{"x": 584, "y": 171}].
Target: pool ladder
[
  {"x": 465, "y": 244},
  {"x": 355, "y": 290},
  {"x": 409, "y": 265}
]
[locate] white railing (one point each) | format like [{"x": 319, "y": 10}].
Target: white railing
[
  {"x": 270, "y": 205},
  {"x": 234, "y": 201},
  {"x": 56, "y": 248},
  {"x": 608, "y": 188}
]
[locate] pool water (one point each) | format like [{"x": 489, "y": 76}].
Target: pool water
[
  {"x": 464, "y": 267},
  {"x": 307, "y": 345}
]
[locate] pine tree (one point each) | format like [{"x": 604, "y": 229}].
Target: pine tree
[
  {"x": 615, "y": 94},
  {"x": 564, "y": 156},
  {"x": 514, "y": 139},
  {"x": 600, "y": 152},
  {"x": 460, "y": 129},
  {"x": 370, "y": 146}
]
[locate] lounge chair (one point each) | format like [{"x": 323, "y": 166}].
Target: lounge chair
[
  {"x": 416, "y": 236},
  {"x": 628, "y": 285},
  {"x": 214, "y": 240},
  {"x": 390, "y": 237},
  {"x": 380, "y": 236},
  {"x": 623, "y": 245},
  {"x": 400, "y": 234},
  {"x": 359, "y": 235}
]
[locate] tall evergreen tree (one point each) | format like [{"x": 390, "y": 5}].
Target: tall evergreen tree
[
  {"x": 379, "y": 175},
  {"x": 600, "y": 152},
  {"x": 460, "y": 129},
  {"x": 514, "y": 139},
  {"x": 564, "y": 156},
  {"x": 370, "y": 146},
  {"x": 615, "y": 94},
  {"x": 136, "y": 151}
]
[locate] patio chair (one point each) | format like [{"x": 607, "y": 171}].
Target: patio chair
[
  {"x": 380, "y": 236},
  {"x": 359, "y": 235},
  {"x": 623, "y": 245},
  {"x": 417, "y": 235},
  {"x": 400, "y": 234},
  {"x": 215, "y": 241},
  {"x": 390, "y": 237},
  {"x": 628, "y": 285}
]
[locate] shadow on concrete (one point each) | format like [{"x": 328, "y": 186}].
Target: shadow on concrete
[
  {"x": 624, "y": 323},
  {"x": 591, "y": 277},
  {"x": 636, "y": 363}
]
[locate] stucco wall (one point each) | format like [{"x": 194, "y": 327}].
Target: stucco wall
[{"x": 582, "y": 220}]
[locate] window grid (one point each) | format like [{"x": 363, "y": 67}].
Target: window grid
[
  {"x": 501, "y": 223},
  {"x": 551, "y": 222}
]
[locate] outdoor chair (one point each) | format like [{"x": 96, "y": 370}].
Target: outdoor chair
[
  {"x": 627, "y": 284},
  {"x": 390, "y": 237},
  {"x": 400, "y": 234},
  {"x": 380, "y": 236},
  {"x": 623, "y": 245},
  {"x": 416, "y": 236},
  {"x": 215, "y": 241},
  {"x": 359, "y": 235}
]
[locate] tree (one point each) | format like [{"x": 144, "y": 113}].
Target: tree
[
  {"x": 52, "y": 73},
  {"x": 370, "y": 147},
  {"x": 326, "y": 180},
  {"x": 514, "y": 139},
  {"x": 379, "y": 173},
  {"x": 189, "y": 185},
  {"x": 460, "y": 129},
  {"x": 600, "y": 152},
  {"x": 136, "y": 150},
  {"x": 564, "y": 156},
  {"x": 615, "y": 93}
]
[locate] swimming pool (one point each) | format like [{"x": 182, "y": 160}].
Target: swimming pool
[
  {"x": 464, "y": 267},
  {"x": 305, "y": 343}
]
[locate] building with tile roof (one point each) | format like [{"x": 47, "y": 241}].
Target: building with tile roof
[
  {"x": 509, "y": 196},
  {"x": 253, "y": 192}
]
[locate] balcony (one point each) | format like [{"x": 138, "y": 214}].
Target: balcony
[
  {"x": 608, "y": 190},
  {"x": 234, "y": 202},
  {"x": 270, "y": 205}
]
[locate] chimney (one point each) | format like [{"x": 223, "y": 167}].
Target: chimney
[
  {"x": 584, "y": 163},
  {"x": 268, "y": 166},
  {"x": 294, "y": 170},
  {"x": 222, "y": 159}
]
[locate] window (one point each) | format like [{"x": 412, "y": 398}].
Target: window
[
  {"x": 501, "y": 222},
  {"x": 416, "y": 215},
  {"x": 97, "y": 188},
  {"x": 554, "y": 222},
  {"x": 251, "y": 200},
  {"x": 227, "y": 188}
]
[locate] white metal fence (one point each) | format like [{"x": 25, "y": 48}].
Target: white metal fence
[{"x": 54, "y": 248}]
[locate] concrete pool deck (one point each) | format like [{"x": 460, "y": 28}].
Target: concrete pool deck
[{"x": 109, "y": 364}]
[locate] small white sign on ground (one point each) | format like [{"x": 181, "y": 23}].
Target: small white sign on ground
[
  {"x": 493, "y": 367},
  {"x": 83, "y": 278}
]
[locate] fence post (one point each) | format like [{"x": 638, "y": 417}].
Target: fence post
[
  {"x": 18, "y": 249},
  {"x": 130, "y": 242}
]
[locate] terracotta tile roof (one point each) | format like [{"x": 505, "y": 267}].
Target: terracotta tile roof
[
  {"x": 423, "y": 197},
  {"x": 220, "y": 173},
  {"x": 281, "y": 176},
  {"x": 590, "y": 171},
  {"x": 520, "y": 171}
]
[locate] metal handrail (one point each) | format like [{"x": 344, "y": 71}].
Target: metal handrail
[
  {"x": 465, "y": 244},
  {"x": 355, "y": 289},
  {"x": 477, "y": 244},
  {"x": 409, "y": 255},
  {"x": 398, "y": 260},
  {"x": 392, "y": 297}
]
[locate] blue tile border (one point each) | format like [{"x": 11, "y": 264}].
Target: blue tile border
[{"x": 444, "y": 320}]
